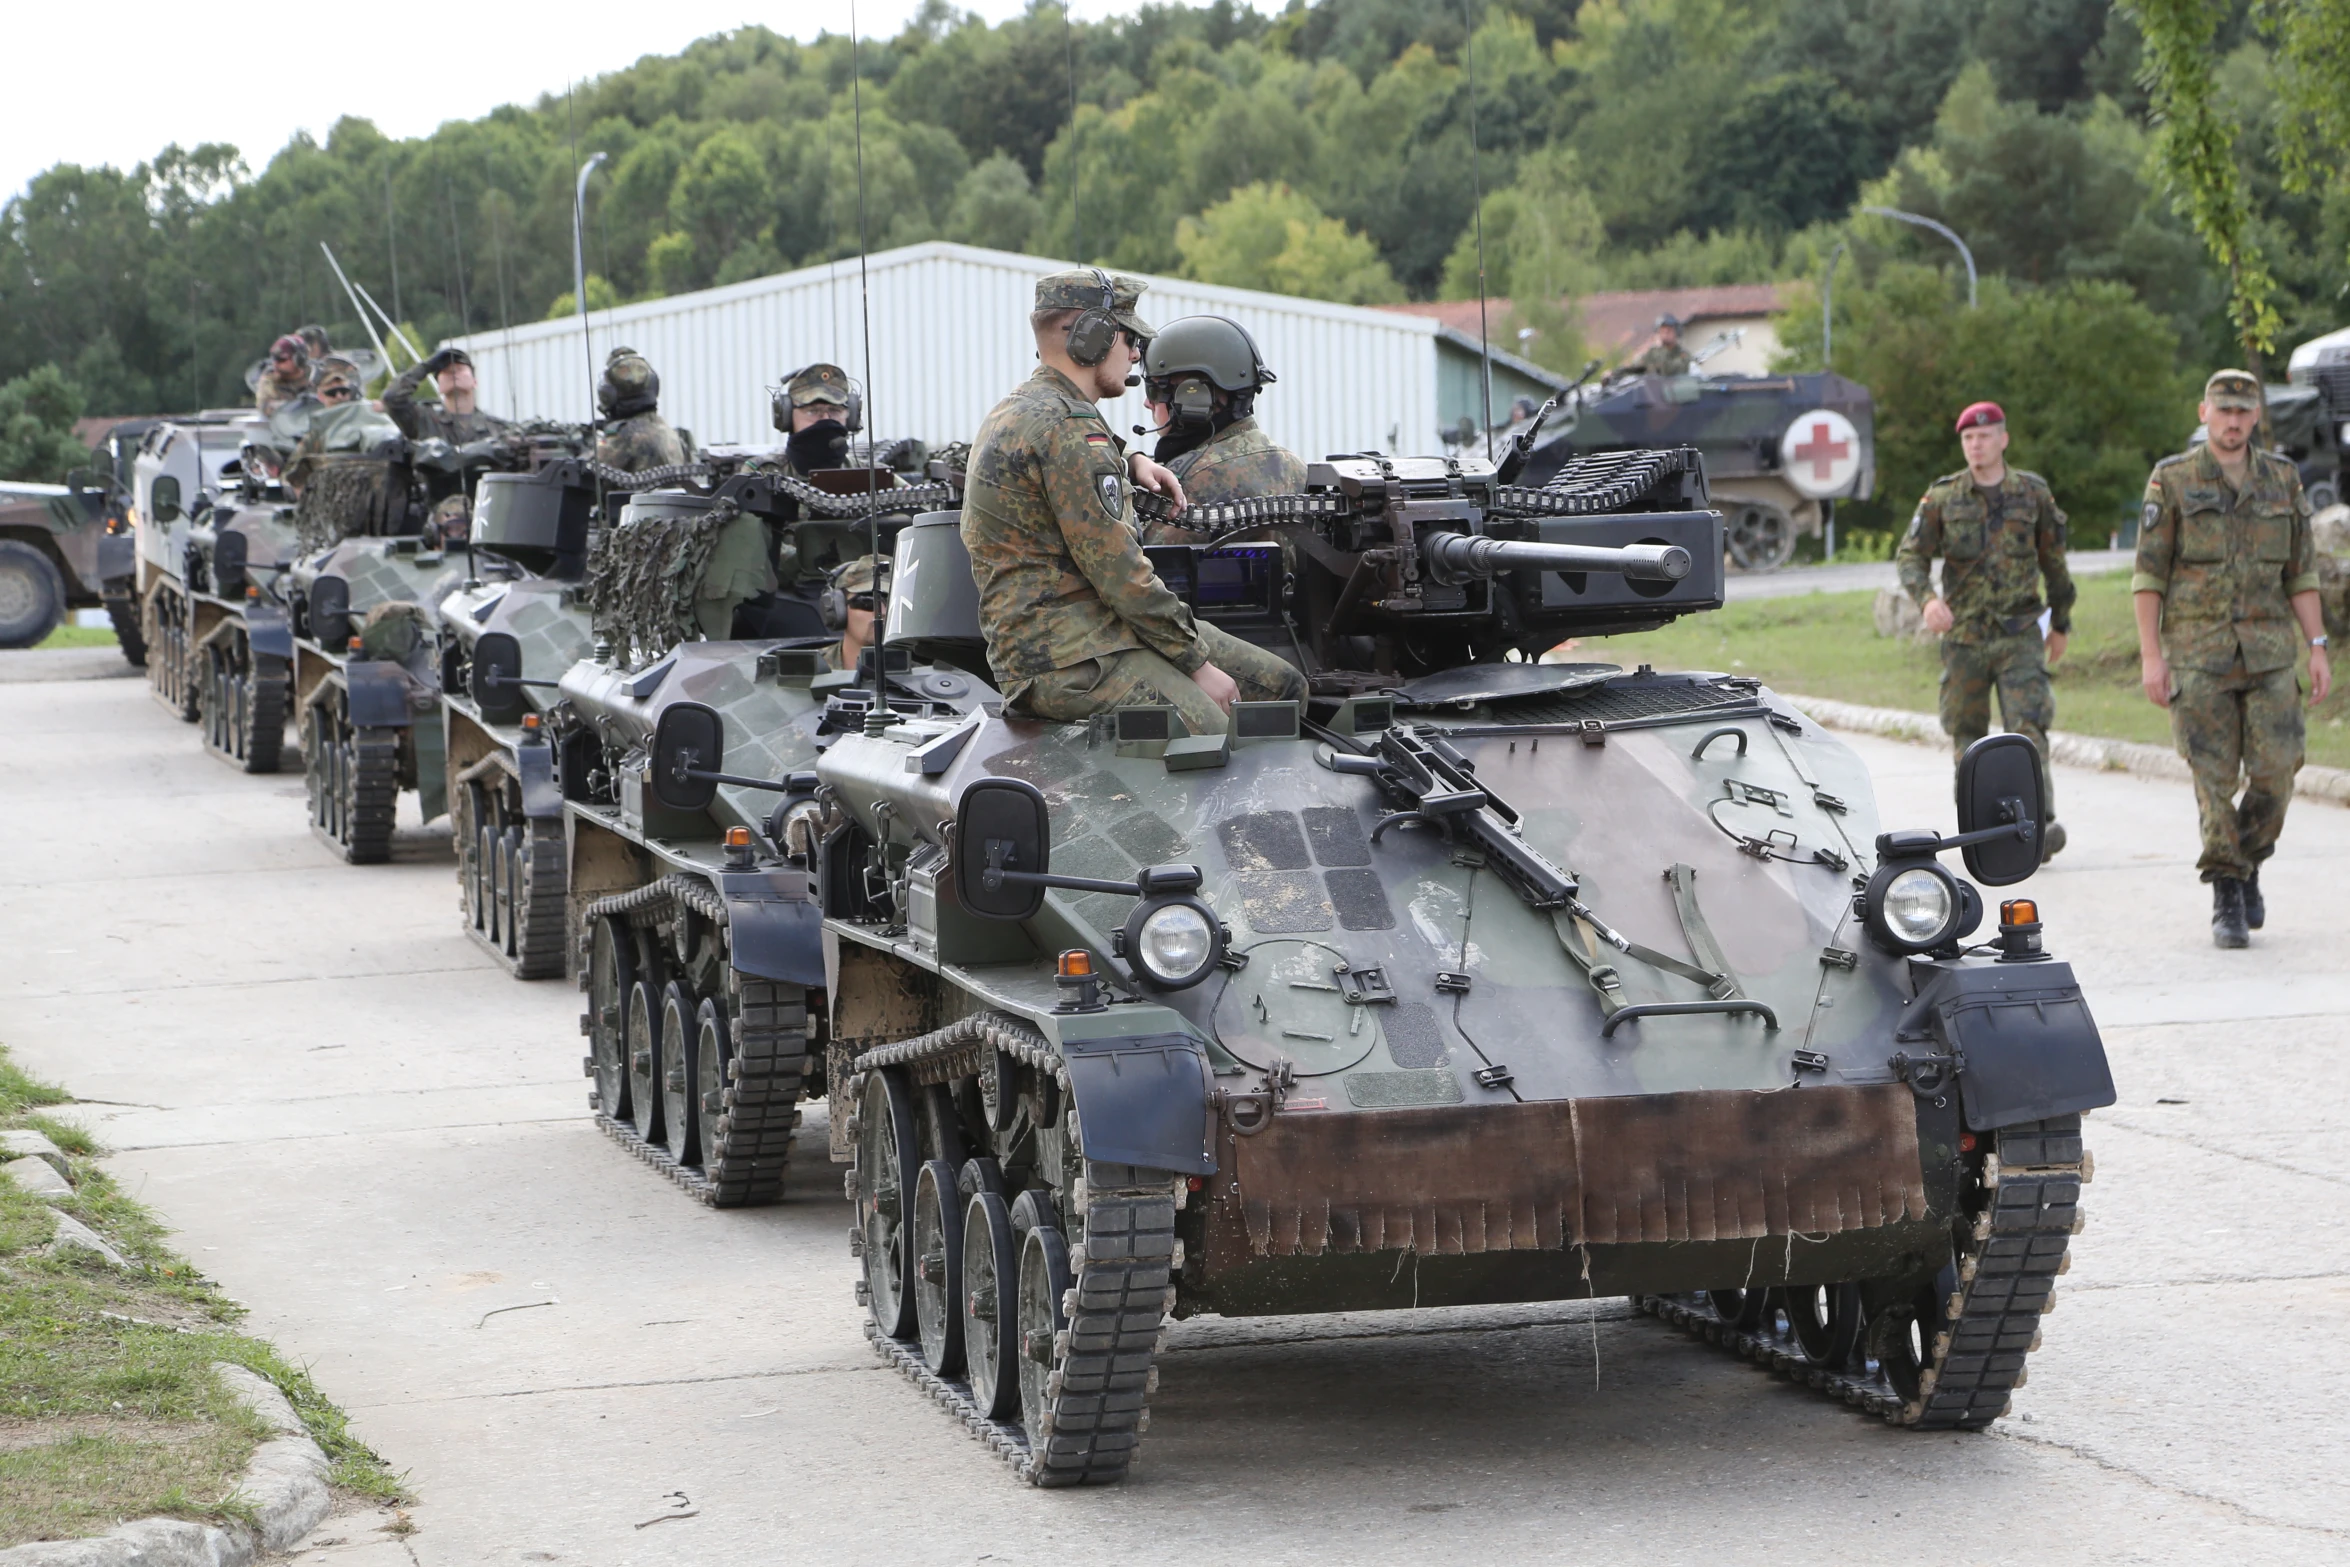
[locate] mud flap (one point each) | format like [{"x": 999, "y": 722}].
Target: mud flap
[
  {"x": 2026, "y": 1047},
  {"x": 269, "y": 634},
  {"x": 379, "y": 695},
  {"x": 773, "y": 936},
  {"x": 534, "y": 767},
  {"x": 1144, "y": 1101}
]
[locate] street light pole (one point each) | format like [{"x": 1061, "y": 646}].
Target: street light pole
[{"x": 1944, "y": 230}]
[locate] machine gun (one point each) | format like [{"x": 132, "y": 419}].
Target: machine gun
[{"x": 1388, "y": 567}]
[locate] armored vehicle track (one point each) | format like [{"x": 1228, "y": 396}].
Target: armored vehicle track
[{"x": 1949, "y": 1360}]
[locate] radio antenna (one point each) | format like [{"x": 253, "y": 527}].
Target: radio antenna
[
  {"x": 1477, "y": 194},
  {"x": 865, "y": 307},
  {"x": 1076, "y": 164}
]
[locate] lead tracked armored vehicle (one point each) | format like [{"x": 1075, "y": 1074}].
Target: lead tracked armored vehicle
[
  {"x": 1388, "y": 1002},
  {"x": 699, "y": 942}
]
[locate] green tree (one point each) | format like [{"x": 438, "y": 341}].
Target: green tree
[
  {"x": 2088, "y": 375},
  {"x": 994, "y": 206},
  {"x": 1272, "y": 237},
  {"x": 37, "y": 411},
  {"x": 1542, "y": 241},
  {"x": 600, "y": 293}
]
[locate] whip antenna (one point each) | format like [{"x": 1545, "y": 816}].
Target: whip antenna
[
  {"x": 587, "y": 336},
  {"x": 1477, "y": 194},
  {"x": 865, "y": 307},
  {"x": 1076, "y": 165},
  {"x": 359, "y": 309}
]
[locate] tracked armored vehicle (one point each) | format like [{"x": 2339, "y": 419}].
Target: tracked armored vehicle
[
  {"x": 1386, "y": 1001},
  {"x": 699, "y": 943},
  {"x": 215, "y": 534}
]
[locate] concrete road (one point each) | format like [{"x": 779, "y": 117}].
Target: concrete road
[
  {"x": 380, "y": 1142},
  {"x": 1871, "y": 575}
]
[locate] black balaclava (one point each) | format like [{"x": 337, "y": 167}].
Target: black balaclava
[{"x": 824, "y": 444}]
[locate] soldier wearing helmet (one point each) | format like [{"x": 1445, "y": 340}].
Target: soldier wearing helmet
[
  {"x": 1665, "y": 356},
  {"x": 285, "y": 377},
  {"x": 1076, "y": 620},
  {"x": 1201, "y": 377},
  {"x": 635, "y": 436}
]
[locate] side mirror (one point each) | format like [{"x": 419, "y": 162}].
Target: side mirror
[
  {"x": 163, "y": 499},
  {"x": 2000, "y": 784},
  {"x": 688, "y": 744},
  {"x": 1003, "y": 825},
  {"x": 497, "y": 677},
  {"x": 228, "y": 564}
]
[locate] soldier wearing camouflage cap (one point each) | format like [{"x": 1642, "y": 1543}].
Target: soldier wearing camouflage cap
[
  {"x": 1201, "y": 377},
  {"x": 2226, "y": 591},
  {"x": 1077, "y": 622},
  {"x": 853, "y": 604},
  {"x": 285, "y": 377},
  {"x": 817, "y": 411},
  {"x": 635, "y": 436},
  {"x": 1999, "y": 533}
]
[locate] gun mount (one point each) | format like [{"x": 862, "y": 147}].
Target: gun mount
[{"x": 1403, "y": 566}]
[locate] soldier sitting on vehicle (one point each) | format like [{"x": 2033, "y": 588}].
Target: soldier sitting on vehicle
[
  {"x": 1665, "y": 356},
  {"x": 635, "y": 436},
  {"x": 1076, "y": 621},
  {"x": 1201, "y": 376},
  {"x": 455, "y": 418},
  {"x": 286, "y": 377}
]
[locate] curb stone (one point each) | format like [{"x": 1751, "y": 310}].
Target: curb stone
[
  {"x": 285, "y": 1482},
  {"x": 72, "y": 1232},
  {"x": 2112, "y": 756}
]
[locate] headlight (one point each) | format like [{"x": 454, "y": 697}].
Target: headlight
[
  {"x": 1173, "y": 944},
  {"x": 1917, "y": 905}
]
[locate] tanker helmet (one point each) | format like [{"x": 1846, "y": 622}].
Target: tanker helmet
[
  {"x": 630, "y": 385},
  {"x": 1195, "y": 353}
]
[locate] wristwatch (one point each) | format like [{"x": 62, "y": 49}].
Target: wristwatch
[{"x": 2318, "y": 641}]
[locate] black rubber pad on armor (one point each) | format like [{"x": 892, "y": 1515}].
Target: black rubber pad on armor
[
  {"x": 1283, "y": 902},
  {"x": 1149, "y": 839},
  {"x": 1265, "y": 841},
  {"x": 1361, "y": 900},
  {"x": 1338, "y": 838},
  {"x": 1414, "y": 1038}
]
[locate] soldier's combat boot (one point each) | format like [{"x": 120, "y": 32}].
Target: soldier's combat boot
[
  {"x": 2052, "y": 842},
  {"x": 2255, "y": 906},
  {"x": 2227, "y": 914}
]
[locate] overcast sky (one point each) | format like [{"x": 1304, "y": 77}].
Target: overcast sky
[{"x": 116, "y": 84}]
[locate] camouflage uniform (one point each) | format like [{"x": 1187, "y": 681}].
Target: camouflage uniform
[
  {"x": 1076, "y": 621},
  {"x": 1236, "y": 462},
  {"x": 1663, "y": 359},
  {"x": 2226, "y": 562},
  {"x": 274, "y": 391},
  {"x": 635, "y": 436},
  {"x": 423, "y": 421},
  {"x": 1996, "y": 545}
]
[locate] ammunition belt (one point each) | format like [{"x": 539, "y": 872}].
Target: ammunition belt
[
  {"x": 905, "y": 498},
  {"x": 1216, "y": 518},
  {"x": 647, "y": 479},
  {"x": 1977, "y": 1335},
  {"x": 1121, "y": 1285}
]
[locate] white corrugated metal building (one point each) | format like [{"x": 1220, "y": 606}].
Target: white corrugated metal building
[{"x": 950, "y": 337}]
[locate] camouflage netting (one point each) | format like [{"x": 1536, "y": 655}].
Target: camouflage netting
[
  {"x": 343, "y": 499},
  {"x": 643, "y": 577}
]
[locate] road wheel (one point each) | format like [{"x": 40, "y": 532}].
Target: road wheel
[
  {"x": 32, "y": 595},
  {"x": 885, "y": 1160},
  {"x": 1044, "y": 1281},
  {"x": 1825, "y": 1319},
  {"x": 611, "y": 976},
  {"x": 938, "y": 1268},
  {"x": 124, "y": 612},
  {"x": 679, "y": 1034},
  {"x": 991, "y": 1330},
  {"x": 644, "y": 1060},
  {"x": 465, "y": 828}
]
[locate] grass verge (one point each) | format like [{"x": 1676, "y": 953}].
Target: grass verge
[
  {"x": 1826, "y": 644},
  {"x": 71, "y": 635},
  {"x": 109, "y": 1409}
]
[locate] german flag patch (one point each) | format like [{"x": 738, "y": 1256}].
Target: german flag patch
[{"x": 1098, "y": 438}]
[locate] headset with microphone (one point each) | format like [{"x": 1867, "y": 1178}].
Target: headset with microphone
[
  {"x": 779, "y": 404},
  {"x": 1096, "y": 330}
]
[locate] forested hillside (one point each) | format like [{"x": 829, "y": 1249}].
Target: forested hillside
[{"x": 1327, "y": 151}]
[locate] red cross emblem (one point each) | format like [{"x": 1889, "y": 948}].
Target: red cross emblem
[{"x": 1823, "y": 451}]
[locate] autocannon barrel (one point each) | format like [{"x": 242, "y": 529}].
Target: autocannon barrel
[{"x": 1454, "y": 556}]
